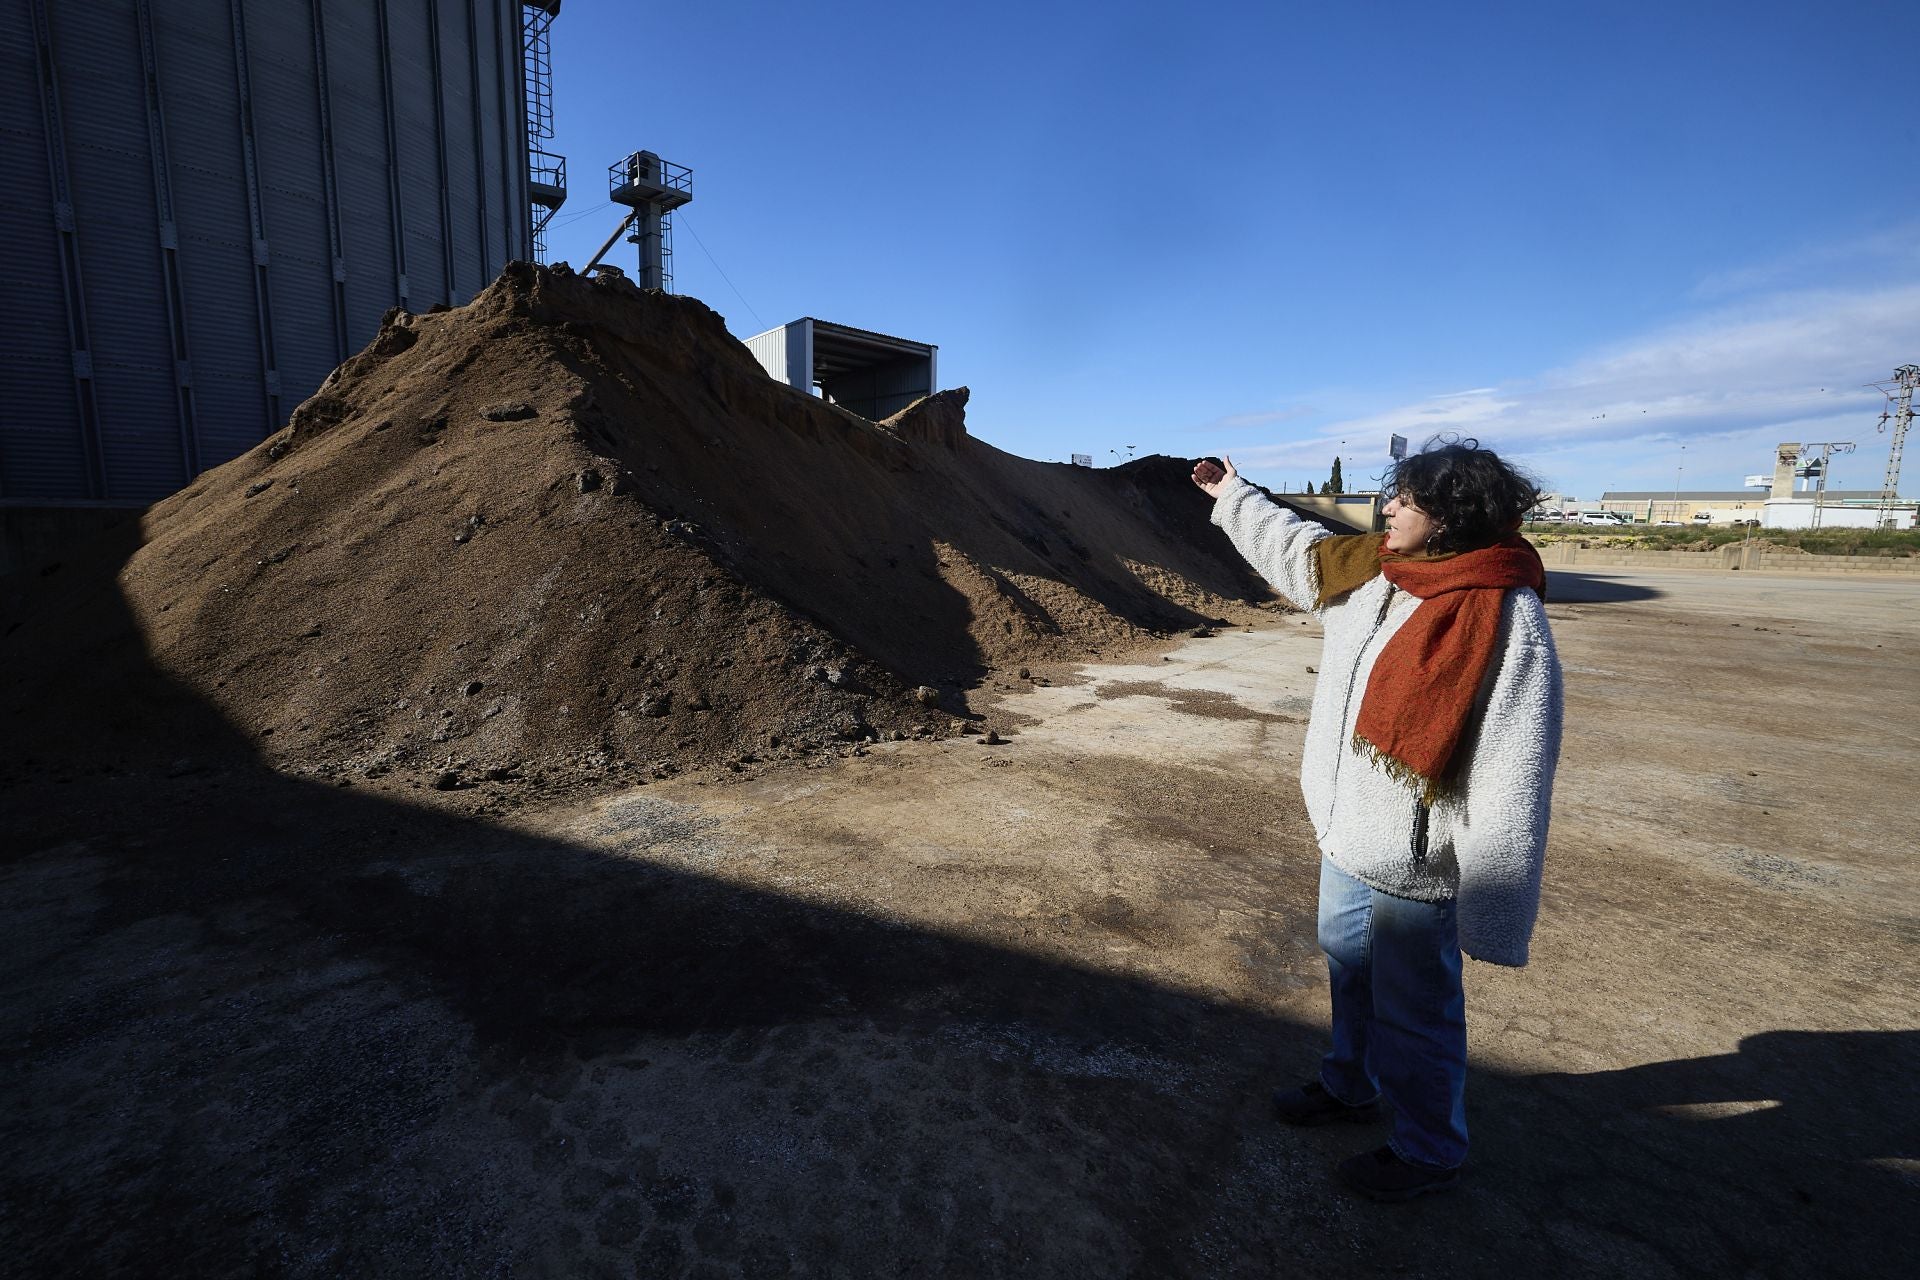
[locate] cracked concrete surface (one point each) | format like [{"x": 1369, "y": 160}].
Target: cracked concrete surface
[{"x": 952, "y": 1009}]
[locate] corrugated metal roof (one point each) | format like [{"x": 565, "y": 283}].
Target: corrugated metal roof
[{"x": 906, "y": 346}]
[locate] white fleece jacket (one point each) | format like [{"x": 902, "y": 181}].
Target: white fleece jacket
[{"x": 1485, "y": 844}]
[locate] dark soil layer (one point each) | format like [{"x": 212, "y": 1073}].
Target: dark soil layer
[{"x": 573, "y": 527}]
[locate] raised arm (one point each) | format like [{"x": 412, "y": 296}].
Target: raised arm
[{"x": 1273, "y": 540}]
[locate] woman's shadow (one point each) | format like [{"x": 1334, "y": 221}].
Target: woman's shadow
[{"x": 1796, "y": 1154}]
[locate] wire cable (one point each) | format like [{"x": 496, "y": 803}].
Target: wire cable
[
  {"x": 582, "y": 213},
  {"x": 680, "y": 220}
]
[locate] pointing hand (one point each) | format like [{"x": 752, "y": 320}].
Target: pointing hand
[{"x": 1211, "y": 477}]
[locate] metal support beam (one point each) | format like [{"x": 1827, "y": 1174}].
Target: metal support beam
[
  {"x": 440, "y": 152},
  {"x": 649, "y": 234},
  {"x": 511, "y": 130},
  {"x": 523, "y": 159},
  {"x": 402, "y": 294},
  {"x": 336, "y": 249},
  {"x": 67, "y": 230},
  {"x": 169, "y": 231},
  {"x": 479, "y": 143},
  {"x": 257, "y": 224},
  {"x": 602, "y": 251}
]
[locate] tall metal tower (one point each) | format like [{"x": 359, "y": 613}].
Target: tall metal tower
[
  {"x": 653, "y": 188},
  {"x": 1899, "y": 393},
  {"x": 1815, "y": 461},
  {"x": 546, "y": 172}
]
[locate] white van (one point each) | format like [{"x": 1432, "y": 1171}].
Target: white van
[{"x": 1604, "y": 517}]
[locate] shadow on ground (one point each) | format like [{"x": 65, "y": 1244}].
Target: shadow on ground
[
  {"x": 269, "y": 1027},
  {"x": 1565, "y": 587}
]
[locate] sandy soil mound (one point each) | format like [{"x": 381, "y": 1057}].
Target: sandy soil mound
[{"x": 573, "y": 525}]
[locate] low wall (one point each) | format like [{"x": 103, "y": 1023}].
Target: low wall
[
  {"x": 1735, "y": 555},
  {"x": 1778, "y": 561},
  {"x": 1358, "y": 511}
]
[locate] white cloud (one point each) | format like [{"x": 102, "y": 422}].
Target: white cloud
[
  {"x": 1891, "y": 251},
  {"x": 1727, "y": 383},
  {"x": 1259, "y": 418}
]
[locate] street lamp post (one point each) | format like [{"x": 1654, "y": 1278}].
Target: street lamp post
[{"x": 1676, "y": 481}]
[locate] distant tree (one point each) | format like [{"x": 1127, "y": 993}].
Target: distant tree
[{"x": 1334, "y": 483}]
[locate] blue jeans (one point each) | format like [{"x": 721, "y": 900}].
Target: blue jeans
[{"x": 1399, "y": 1017}]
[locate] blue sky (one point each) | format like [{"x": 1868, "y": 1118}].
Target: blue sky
[{"x": 1284, "y": 231}]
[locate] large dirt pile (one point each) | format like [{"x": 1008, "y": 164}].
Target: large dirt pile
[{"x": 573, "y": 523}]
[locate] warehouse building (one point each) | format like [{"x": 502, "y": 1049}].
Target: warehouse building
[
  {"x": 1653, "y": 506},
  {"x": 871, "y": 374},
  {"x": 1793, "y": 496}
]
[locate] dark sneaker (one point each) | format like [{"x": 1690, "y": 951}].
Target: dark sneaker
[
  {"x": 1312, "y": 1104},
  {"x": 1382, "y": 1175}
]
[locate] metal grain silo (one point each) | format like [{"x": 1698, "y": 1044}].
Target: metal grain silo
[{"x": 207, "y": 204}]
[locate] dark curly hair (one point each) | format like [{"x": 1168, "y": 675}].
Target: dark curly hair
[{"x": 1476, "y": 497}]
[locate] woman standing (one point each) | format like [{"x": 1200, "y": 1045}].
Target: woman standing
[{"x": 1428, "y": 773}]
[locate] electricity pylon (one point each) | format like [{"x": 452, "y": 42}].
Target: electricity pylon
[{"x": 1899, "y": 393}]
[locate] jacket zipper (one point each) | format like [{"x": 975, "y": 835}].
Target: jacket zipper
[
  {"x": 1421, "y": 815},
  {"x": 1353, "y": 677}
]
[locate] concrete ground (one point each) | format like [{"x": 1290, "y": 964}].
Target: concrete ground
[{"x": 956, "y": 1009}]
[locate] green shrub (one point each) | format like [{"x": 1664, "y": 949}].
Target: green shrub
[{"x": 1819, "y": 542}]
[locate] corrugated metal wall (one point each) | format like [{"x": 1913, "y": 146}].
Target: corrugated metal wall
[
  {"x": 786, "y": 353},
  {"x": 881, "y": 390},
  {"x": 40, "y": 416},
  {"x": 207, "y": 204},
  {"x": 770, "y": 349}
]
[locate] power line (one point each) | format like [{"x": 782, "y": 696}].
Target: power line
[
  {"x": 723, "y": 275},
  {"x": 583, "y": 213}
]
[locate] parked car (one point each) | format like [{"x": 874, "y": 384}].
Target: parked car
[{"x": 1604, "y": 517}]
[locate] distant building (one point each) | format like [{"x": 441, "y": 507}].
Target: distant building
[
  {"x": 1846, "y": 509},
  {"x": 1790, "y": 497},
  {"x": 1654, "y": 505},
  {"x": 1839, "y": 508},
  {"x": 872, "y": 374}
]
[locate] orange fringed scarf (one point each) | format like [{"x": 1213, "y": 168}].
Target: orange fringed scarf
[{"x": 1421, "y": 692}]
